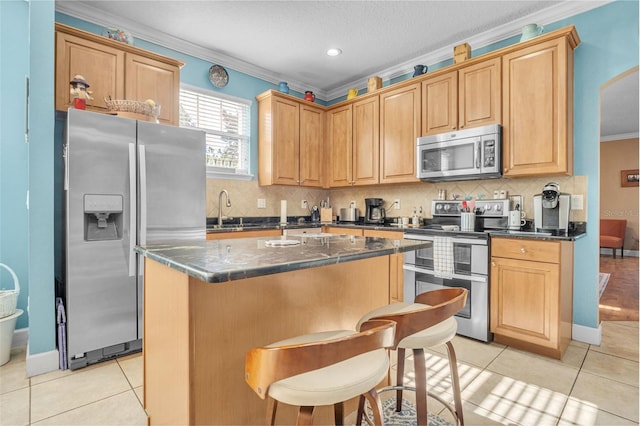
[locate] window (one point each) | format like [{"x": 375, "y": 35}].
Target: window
[{"x": 226, "y": 123}]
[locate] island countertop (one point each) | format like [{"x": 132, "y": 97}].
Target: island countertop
[{"x": 216, "y": 261}]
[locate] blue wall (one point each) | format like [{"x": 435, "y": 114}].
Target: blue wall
[
  {"x": 609, "y": 46},
  {"x": 26, "y": 49}
]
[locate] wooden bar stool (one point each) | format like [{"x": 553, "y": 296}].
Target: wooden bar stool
[
  {"x": 426, "y": 323},
  {"x": 325, "y": 368}
]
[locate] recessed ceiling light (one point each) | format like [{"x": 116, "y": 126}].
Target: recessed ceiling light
[{"x": 334, "y": 51}]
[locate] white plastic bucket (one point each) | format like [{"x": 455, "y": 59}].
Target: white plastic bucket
[{"x": 7, "y": 327}]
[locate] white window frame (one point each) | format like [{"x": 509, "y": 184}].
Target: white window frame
[{"x": 225, "y": 172}]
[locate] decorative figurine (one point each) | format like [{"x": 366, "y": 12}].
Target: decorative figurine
[{"x": 79, "y": 92}]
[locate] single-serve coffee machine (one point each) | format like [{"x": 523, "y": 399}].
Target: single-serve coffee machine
[
  {"x": 375, "y": 212},
  {"x": 551, "y": 210}
]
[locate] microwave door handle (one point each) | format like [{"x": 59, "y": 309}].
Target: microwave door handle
[{"x": 478, "y": 152}]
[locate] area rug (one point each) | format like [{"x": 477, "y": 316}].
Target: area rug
[
  {"x": 602, "y": 282},
  {"x": 406, "y": 417}
]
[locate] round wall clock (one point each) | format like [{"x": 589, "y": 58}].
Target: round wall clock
[{"x": 218, "y": 76}]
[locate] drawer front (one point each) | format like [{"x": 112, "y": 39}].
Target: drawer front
[{"x": 523, "y": 249}]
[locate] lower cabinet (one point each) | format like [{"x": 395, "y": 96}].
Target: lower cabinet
[
  {"x": 396, "y": 273},
  {"x": 244, "y": 234},
  {"x": 532, "y": 294}
]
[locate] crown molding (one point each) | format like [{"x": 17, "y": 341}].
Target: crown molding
[
  {"x": 86, "y": 12},
  {"x": 619, "y": 137}
]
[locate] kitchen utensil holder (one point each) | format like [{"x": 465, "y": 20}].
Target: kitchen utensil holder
[{"x": 467, "y": 222}]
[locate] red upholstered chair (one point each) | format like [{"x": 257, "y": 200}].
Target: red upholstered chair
[{"x": 612, "y": 234}]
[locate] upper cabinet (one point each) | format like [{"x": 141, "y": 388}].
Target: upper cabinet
[
  {"x": 399, "y": 129},
  {"x": 115, "y": 70},
  {"x": 466, "y": 97},
  {"x": 526, "y": 87},
  {"x": 353, "y": 136},
  {"x": 537, "y": 94},
  {"x": 290, "y": 141}
]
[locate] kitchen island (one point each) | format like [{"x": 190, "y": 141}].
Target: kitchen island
[{"x": 206, "y": 303}]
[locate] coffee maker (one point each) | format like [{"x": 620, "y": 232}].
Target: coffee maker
[
  {"x": 551, "y": 210},
  {"x": 375, "y": 212}
]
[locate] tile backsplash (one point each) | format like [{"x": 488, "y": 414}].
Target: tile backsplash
[{"x": 244, "y": 195}]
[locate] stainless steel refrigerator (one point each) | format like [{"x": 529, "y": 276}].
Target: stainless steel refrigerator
[{"x": 126, "y": 182}]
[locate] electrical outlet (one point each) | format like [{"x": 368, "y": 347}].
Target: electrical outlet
[
  {"x": 262, "y": 203},
  {"x": 304, "y": 204},
  {"x": 396, "y": 204},
  {"x": 577, "y": 202}
]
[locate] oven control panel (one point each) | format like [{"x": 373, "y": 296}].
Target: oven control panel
[{"x": 492, "y": 208}]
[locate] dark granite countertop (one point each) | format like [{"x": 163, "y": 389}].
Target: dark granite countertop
[{"x": 218, "y": 261}]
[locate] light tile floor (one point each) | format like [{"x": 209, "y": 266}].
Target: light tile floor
[{"x": 592, "y": 385}]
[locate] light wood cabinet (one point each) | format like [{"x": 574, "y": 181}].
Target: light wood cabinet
[
  {"x": 148, "y": 78},
  {"x": 290, "y": 141},
  {"x": 467, "y": 97},
  {"x": 396, "y": 261},
  {"x": 532, "y": 294},
  {"x": 244, "y": 234},
  {"x": 343, "y": 231},
  {"x": 537, "y": 98},
  {"x": 115, "y": 70},
  {"x": 353, "y": 135},
  {"x": 399, "y": 129}
]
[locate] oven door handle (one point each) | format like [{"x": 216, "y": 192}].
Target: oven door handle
[
  {"x": 476, "y": 278},
  {"x": 456, "y": 240}
]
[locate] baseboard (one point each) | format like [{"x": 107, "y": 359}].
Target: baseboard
[
  {"x": 627, "y": 253},
  {"x": 41, "y": 363},
  {"x": 20, "y": 338},
  {"x": 590, "y": 335}
]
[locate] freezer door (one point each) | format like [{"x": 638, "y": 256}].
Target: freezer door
[
  {"x": 100, "y": 270},
  {"x": 171, "y": 182}
]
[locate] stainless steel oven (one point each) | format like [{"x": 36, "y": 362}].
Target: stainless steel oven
[
  {"x": 470, "y": 271},
  {"x": 470, "y": 260}
]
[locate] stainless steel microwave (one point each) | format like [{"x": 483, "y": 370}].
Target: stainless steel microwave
[{"x": 474, "y": 153}]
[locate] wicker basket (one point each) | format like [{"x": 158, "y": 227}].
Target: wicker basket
[
  {"x": 9, "y": 298},
  {"x": 119, "y": 105}
]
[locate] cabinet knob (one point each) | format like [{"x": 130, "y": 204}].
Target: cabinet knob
[
  {"x": 493, "y": 264},
  {"x": 522, "y": 250}
]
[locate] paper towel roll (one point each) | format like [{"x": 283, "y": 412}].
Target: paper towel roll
[{"x": 283, "y": 211}]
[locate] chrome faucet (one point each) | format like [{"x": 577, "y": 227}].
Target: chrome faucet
[{"x": 225, "y": 192}]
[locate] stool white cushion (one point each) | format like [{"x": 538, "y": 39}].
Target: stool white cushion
[
  {"x": 334, "y": 383},
  {"x": 438, "y": 334}
]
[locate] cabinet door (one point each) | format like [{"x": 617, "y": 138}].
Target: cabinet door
[
  {"x": 342, "y": 231},
  {"x": 286, "y": 142},
  {"x": 339, "y": 131},
  {"x": 525, "y": 301},
  {"x": 399, "y": 129},
  {"x": 537, "y": 96},
  {"x": 440, "y": 104},
  {"x": 101, "y": 66},
  {"x": 311, "y": 145},
  {"x": 147, "y": 78},
  {"x": 396, "y": 261},
  {"x": 366, "y": 141},
  {"x": 479, "y": 94}
]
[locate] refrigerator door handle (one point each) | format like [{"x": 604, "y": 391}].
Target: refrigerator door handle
[
  {"x": 132, "y": 209},
  {"x": 143, "y": 194}
]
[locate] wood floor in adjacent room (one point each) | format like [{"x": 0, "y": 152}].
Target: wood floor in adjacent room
[{"x": 619, "y": 302}]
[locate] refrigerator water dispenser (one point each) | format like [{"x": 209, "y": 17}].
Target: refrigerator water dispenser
[{"x": 102, "y": 217}]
